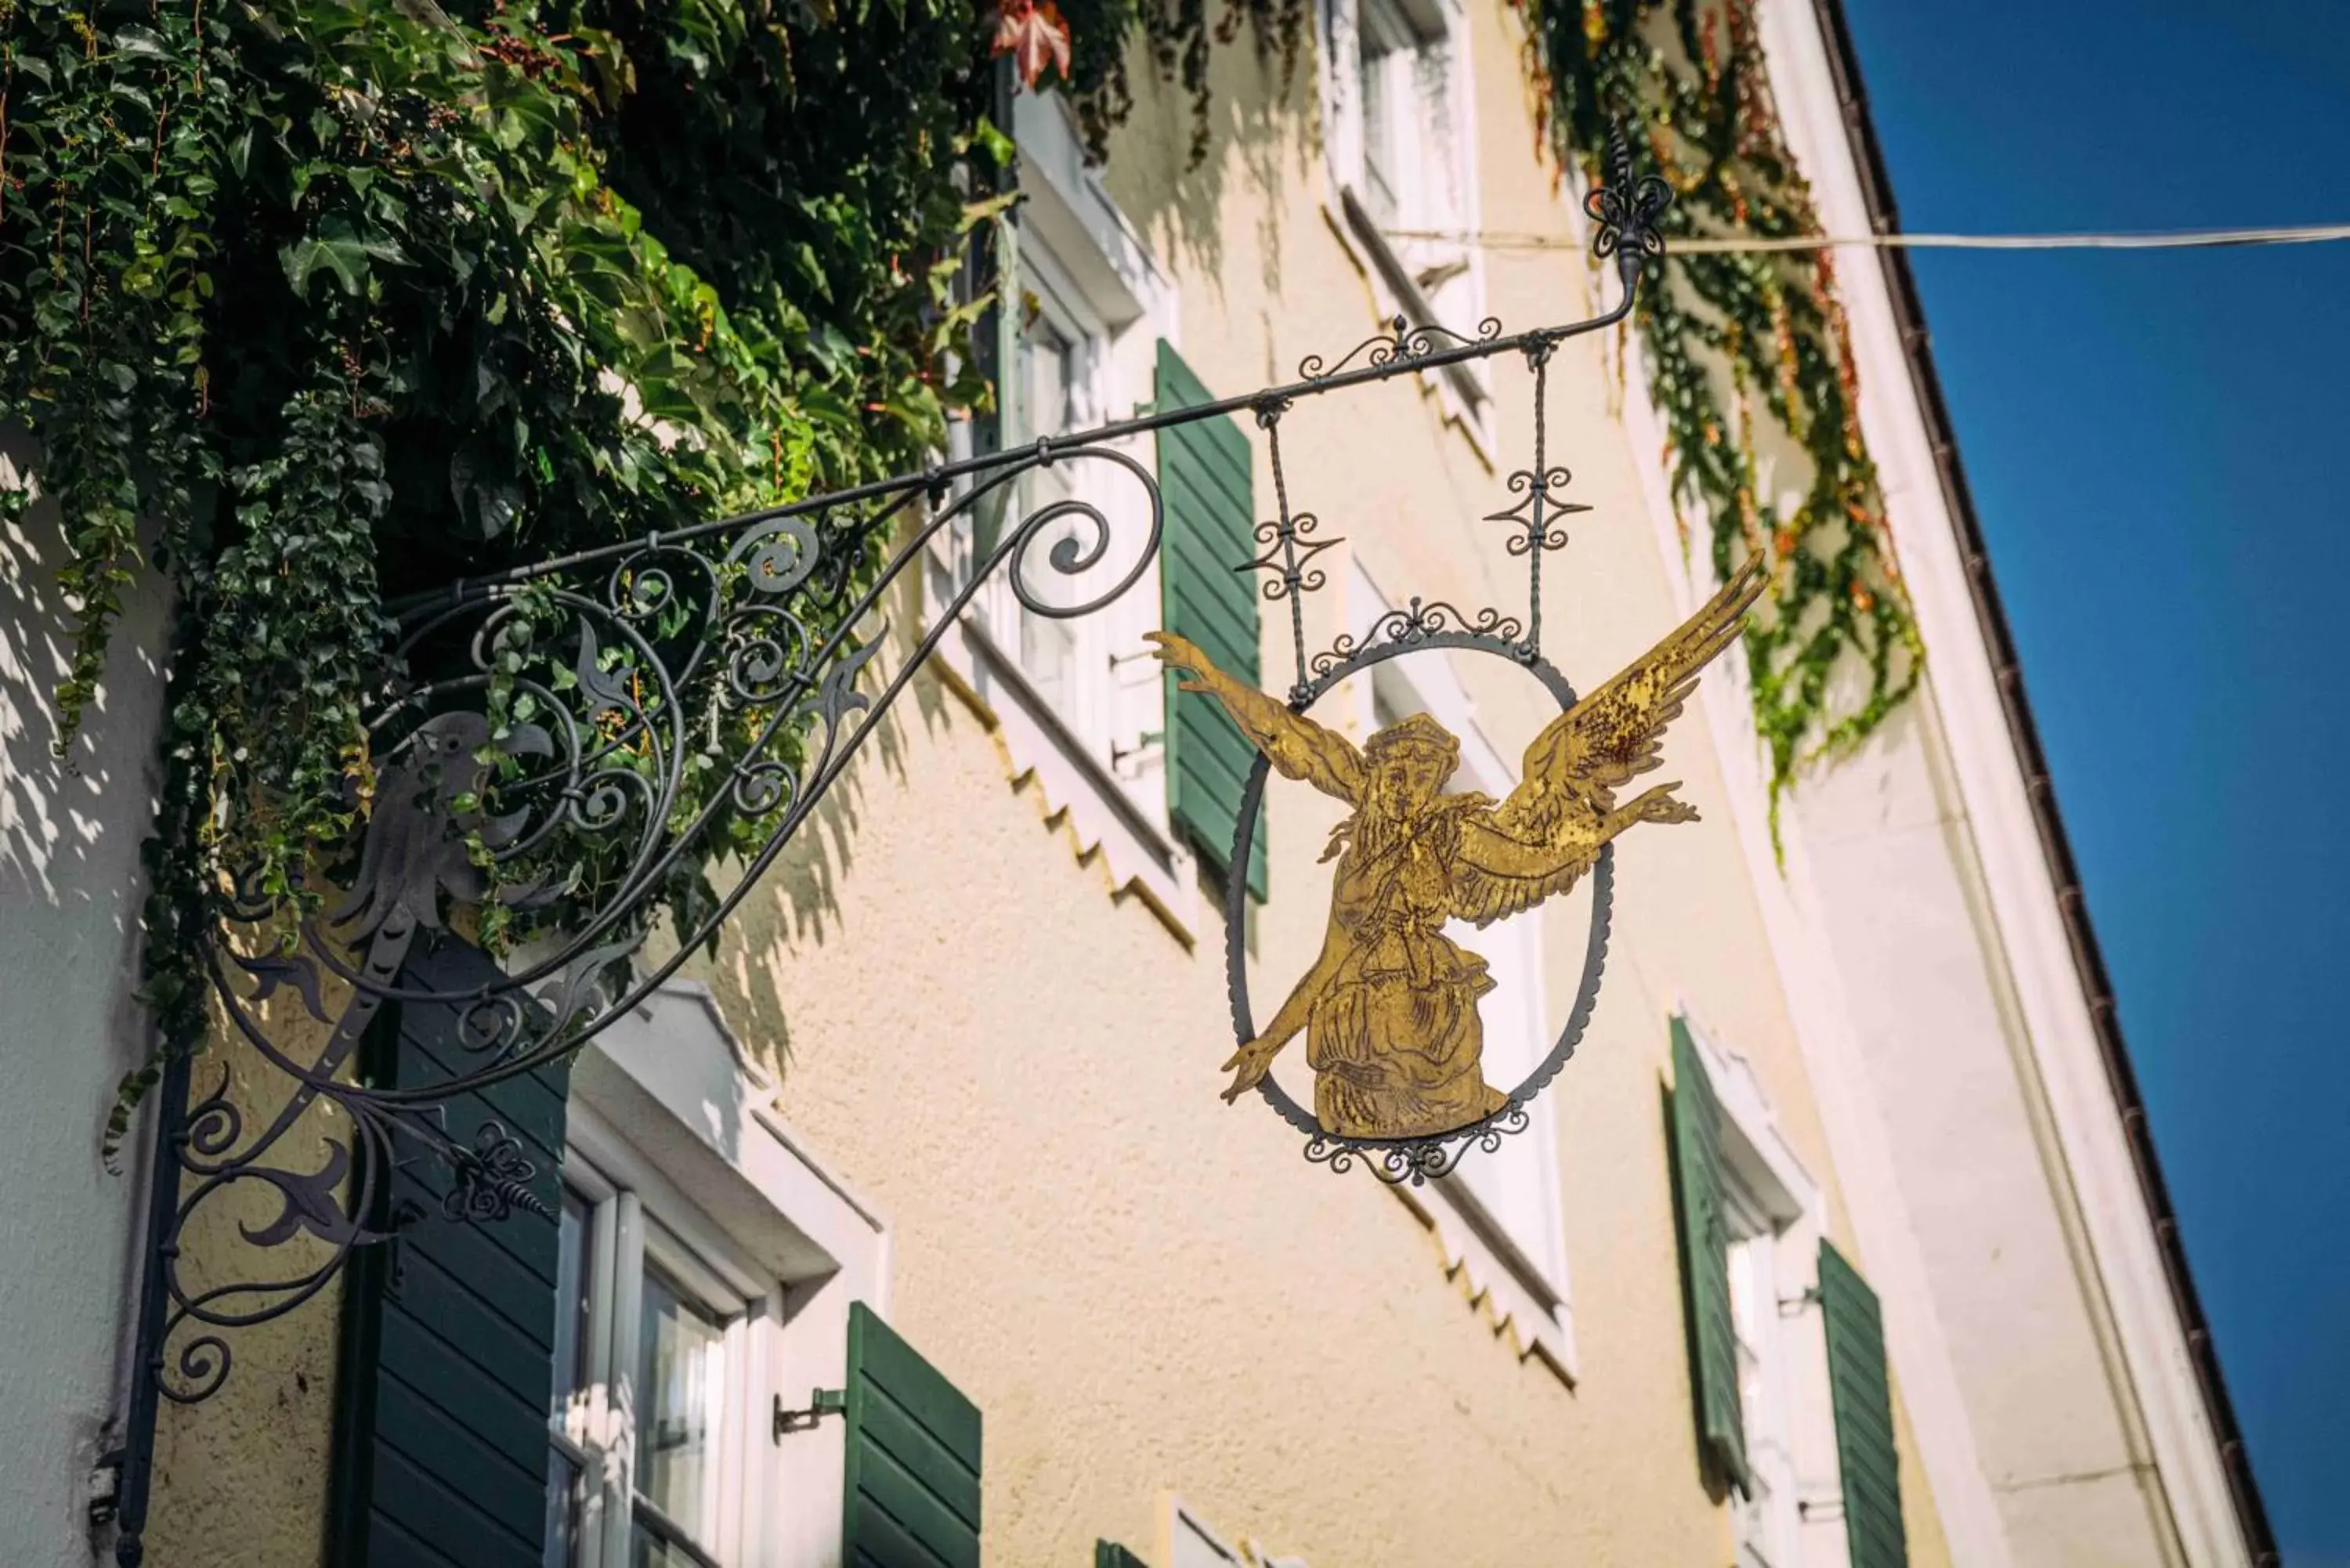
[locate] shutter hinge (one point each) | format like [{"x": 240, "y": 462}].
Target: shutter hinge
[
  {"x": 822, "y": 1402},
  {"x": 1796, "y": 1307},
  {"x": 1149, "y": 741}
]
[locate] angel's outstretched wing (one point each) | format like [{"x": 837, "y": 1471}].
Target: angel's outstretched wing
[
  {"x": 1496, "y": 875},
  {"x": 1612, "y": 736},
  {"x": 1299, "y": 746},
  {"x": 1537, "y": 843}
]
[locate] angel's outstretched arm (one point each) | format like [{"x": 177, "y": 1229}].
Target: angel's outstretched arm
[
  {"x": 1500, "y": 871},
  {"x": 1299, "y": 746},
  {"x": 1251, "y": 1061}
]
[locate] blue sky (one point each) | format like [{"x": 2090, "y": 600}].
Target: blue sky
[{"x": 2157, "y": 445}]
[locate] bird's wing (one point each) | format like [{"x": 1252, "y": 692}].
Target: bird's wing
[{"x": 1612, "y": 736}]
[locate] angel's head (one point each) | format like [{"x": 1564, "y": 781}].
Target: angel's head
[{"x": 1411, "y": 761}]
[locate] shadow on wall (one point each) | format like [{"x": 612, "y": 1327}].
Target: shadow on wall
[
  {"x": 71, "y": 888},
  {"x": 1266, "y": 130},
  {"x": 70, "y": 830},
  {"x": 798, "y": 899}
]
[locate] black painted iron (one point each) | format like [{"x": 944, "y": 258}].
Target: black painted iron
[{"x": 555, "y": 710}]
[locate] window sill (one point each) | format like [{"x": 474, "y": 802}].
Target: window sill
[
  {"x": 1468, "y": 400},
  {"x": 1102, "y": 816},
  {"x": 1516, "y": 1294}
]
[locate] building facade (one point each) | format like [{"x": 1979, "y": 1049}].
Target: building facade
[{"x": 910, "y": 1230}]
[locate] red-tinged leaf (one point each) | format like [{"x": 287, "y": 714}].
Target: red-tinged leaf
[{"x": 1032, "y": 33}]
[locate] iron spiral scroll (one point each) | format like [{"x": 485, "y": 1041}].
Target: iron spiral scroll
[
  {"x": 508, "y": 752},
  {"x": 547, "y": 738}
]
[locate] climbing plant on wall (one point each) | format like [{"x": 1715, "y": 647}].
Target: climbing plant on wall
[
  {"x": 344, "y": 299},
  {"x": 1177, "y": 36},
  {"x": 1733, "y": 339}
]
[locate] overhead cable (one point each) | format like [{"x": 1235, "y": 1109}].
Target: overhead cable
[{"x": 2187, "y": 239}]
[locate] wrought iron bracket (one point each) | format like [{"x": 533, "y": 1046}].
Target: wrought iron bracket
[{"x": 583, "y": 729}]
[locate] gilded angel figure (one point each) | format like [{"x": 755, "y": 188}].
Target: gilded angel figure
[{"x": 1389, "y": 1007}]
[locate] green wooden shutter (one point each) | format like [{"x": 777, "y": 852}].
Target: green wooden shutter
[
  {"x": 1705, "y": 1261},
  {"x": 447, "y": 1361},
  {"x": 1861, "y": 1396},
  {"x": 1205, "y": 477},
  {"x": 913, "y": 1442},
  {"x": 1110, "y": 1555}
]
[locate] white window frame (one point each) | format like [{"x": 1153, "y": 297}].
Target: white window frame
[
  {"x": 1180, "y": 1526},
  {"x": 1776, "y": 1215},
  {"x": 1501, "y": 1216},
  {"x": 714, "y": 1187},
  {"x": 638, "y": 1219},
  {"x": 1180, "y": 1522},
  {"x": 1099, "y": 755},
  {"x": 1433, "y": 273}
]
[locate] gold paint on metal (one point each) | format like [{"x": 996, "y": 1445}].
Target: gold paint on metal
[{"x": 1389, "y": 1008}]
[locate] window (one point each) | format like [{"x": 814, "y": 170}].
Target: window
[
  {"x": 1396, "y": 99},
  {"x": 1196, "y": 1546},
  {"x": 1076, "y": 349},
  {"x": 1192, "y": 1543},
  {"x": 1077, "y": 703},
  {"x": 1402, "y": 83},
  {"x": 707, "y": 1275},
  {"x": 1751, "y": 1221},
  {"x": 1767, "y": 1516},
  {"x": 572, "y": 1462},
  {"x": 1060, "y": 368},
  {"x": 651, "y": 1382},
  {"x": 1500, "y": 1212}
]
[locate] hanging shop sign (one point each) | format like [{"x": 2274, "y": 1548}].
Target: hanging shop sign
[
  {"x": 579, "y": 735},
  {"x": 1390, "y": 1006}
]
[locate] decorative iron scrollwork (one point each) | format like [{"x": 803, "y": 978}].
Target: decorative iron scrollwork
[
  {"x": 547, "y": 743},
  {"x": 1401, "y": 343},
  {"x": 492, "y": 1179}
]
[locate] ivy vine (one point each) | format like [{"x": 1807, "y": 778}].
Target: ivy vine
[
  {"x": 1177, "y": 36},
  {"x": 1732, "y": 337},
  {"x": 346, "y": 298},
  {"x": 350, "y": 298}
]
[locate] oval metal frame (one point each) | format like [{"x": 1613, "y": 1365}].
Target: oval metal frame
[{"x": 1417, "y": 1158}]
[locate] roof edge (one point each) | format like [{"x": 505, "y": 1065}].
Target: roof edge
[{"x": 2088, "y": 961}]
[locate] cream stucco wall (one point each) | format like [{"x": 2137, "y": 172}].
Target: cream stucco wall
[
  {"x": 70, "y": 886},
  {"x": 1148, "y": 1291}
]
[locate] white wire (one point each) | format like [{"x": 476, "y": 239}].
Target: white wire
[{"x": 2190, "y": 239}]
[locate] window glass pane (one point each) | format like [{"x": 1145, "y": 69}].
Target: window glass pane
[
  {"x": 1052, "y": 377},
  {"x": 648, "y": 1549},
  {"x": 680, "y": 1384},
  {"x": 564, "y": 1498},
  {"x": 1049, "y": 373},
  {"x": 1378, "y": 136},
  {"x": 574, "y": 1231},
  {"x": 1382, "y": 79},
  {"x": 565, "y": 1489}
]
